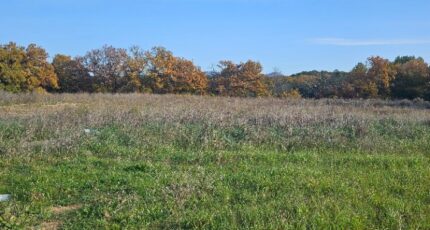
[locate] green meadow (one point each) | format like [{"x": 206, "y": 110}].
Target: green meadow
[{"x": 188, "y": 162}]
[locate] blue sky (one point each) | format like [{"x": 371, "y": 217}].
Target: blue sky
[{"x": 290, "y": 35}]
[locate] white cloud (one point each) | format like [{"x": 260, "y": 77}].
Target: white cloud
[{"x": 370, "y": 42}]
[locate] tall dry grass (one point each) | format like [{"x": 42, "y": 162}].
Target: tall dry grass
[{"x": 42, "y": 123}]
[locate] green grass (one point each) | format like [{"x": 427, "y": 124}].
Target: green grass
[
  {"x": 131, "y": 174},
  {"x": 170, "y": 188}
]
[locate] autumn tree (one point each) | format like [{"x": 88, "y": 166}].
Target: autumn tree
[
  {"x": 107, "y": 66},
  {"x": 72, "y": 75},
  {"x": 381, "y": 73},
  {"x": 359, "y": 84},
  {"x": 109, "y": 69},
  {"x": 187, "y": 78},
  {"x": 305, "y": 83},
  {"x": 41, "y": 71},
  {"x": 244, "y": 79},
  {"x": 26, "y": 69},
  {"x": 412, "y": 78},
  {"x": 291, "y": 94},
  {"x": 13, "y": 75},
  {"x": 134, "y": 71},
  {"x": 159, "y": 69},
  {"x": 166, "y": 73}
]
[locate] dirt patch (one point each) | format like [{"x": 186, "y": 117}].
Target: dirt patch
[
  {"x": 63, "y": 209},
  {"x": 54, "y": 225}
]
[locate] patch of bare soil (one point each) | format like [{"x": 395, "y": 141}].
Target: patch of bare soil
[
  {"x": 63, "y": 209},
  {"x": 53, "y": 225}
]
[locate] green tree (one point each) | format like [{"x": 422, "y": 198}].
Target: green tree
[{"x": 412, "y": 79}]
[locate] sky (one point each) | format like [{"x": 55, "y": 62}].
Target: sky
[{"x": 285, "y": 35}]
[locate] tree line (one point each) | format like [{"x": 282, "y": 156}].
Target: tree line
[{"x": 116, "y": 70}]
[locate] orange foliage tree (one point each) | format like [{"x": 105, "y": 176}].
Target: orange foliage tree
[
  {"x": 359, "y": 84},
  {"x": 381, "y": 73},
  {"x": 244, "y": 79},
  {"x": 166, "y": 73},
  {"x": 26, "y": 69}
]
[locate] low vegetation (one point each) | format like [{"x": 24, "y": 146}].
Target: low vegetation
[{"x": 81, "y": 161}]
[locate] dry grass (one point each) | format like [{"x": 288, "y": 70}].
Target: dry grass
[
  {"x": 59, "y": 121},
  {"x": 54, "y": 225},
  {"x": 64, "y": 209},
  {"x": 170, "y": 162}
]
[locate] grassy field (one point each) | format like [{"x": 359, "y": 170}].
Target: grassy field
[{"x": 167, "y": 162}]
